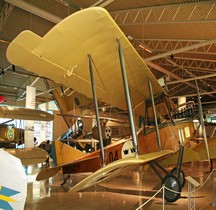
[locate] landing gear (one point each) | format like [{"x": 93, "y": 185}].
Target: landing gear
[
  {"x": 181, "y": 176},
  {"x": 65, "y": 179},
  {"x": 171, "y": 182},
  {"x": 175, "y": 180}
]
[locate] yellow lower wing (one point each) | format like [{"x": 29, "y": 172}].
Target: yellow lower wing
[{"x": 116, "y": 168}]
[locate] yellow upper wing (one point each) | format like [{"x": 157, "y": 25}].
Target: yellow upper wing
[{"x": 62, "y": 55}]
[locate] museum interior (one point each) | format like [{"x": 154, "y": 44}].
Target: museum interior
[{"x": 107, "y": 104}]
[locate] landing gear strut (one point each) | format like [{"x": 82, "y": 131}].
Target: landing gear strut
[
  {"x": 65, "y": 179},
  {"x": 174, "y": 181},
  {"x": 181, "y": 177}
]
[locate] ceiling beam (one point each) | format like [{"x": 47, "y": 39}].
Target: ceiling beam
[
  {"x": 190, "y": 73},
  {"x": 191, "y": 79},
  {"x": 171, "y": 74},
  {"x": 5, "y": 14},
  {"x": 167, "y": 72},
  {"x": 180, "y": 50},
  {"x": 35, "y": 10},
  {"x": 31, "y": 85},
  {"x": 106, "y": 3},
  {"x": 195, "y": 94},
  {"x": 166, "y": 14}
]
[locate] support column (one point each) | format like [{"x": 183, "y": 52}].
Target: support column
[{"x": 29, "y": 124}]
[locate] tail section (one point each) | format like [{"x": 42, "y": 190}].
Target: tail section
[
  {"x": 201, "y": 150},
  {"x": 65, "y": 153}
]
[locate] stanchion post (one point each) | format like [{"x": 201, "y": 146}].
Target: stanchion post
[
  {"x": 163, "y": 197},
  {"x": 213, "y": 186},
  {"x": 195, "y": 184}
]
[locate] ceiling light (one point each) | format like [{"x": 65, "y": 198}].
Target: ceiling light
[
  {"x": 4, "y": 41},
  {"x": 106, "y": 3},
  {"x": 144, "y": 47},
  {"x": 130, "y": 38}
]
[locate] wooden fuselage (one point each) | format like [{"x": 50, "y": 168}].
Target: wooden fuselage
[{"x": 170, "y": 136}]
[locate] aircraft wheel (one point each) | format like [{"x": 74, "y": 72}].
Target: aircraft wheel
[
  {"x": 181, "y": 178},
  {"x": 171, "y": 182}
]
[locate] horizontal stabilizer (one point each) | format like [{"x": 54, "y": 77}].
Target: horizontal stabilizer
[
  {"x": 201, "y": 149},
  {"x": 73, "y": 165},
  {"x": 46, "y": 173},
  {"x": 65, "y": 155}
]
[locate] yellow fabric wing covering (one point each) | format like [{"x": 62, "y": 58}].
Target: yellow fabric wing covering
[
  {"x": 118, "y": 167},
  {"x": 62, "y": 55},
  {"x": 25, "y": 114},
  {"x": 201, "y": 149},
  {"x": 29, "y": 156}
]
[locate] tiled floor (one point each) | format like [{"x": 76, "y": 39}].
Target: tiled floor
[{"x": 128, "y": 191}]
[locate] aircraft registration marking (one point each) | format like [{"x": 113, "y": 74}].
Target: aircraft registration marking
[
  {"x": 128, "y": 149},
  {"x": 10, "y": 134},
  {"x": 113, "y": 157}
]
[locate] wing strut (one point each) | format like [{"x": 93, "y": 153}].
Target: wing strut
[
  {"x": 155, "y": 115},
  {"x": 128, "y": 98},
  {"x": 96, "y": 109},
  {"x": 201, "y": 119}
]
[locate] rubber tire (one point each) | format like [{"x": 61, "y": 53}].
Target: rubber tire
[
  {"x": 171, "y": 182},
  {"x": 182, "y": 176}
]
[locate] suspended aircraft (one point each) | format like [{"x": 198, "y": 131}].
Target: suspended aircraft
[
  {"x": 89, "y": 53},
  {"x": 9, "y": 134}
]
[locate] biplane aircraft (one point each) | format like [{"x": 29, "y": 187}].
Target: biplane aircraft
[
  {"x": 10, "y": 135},
  {"x": 89, "y": 53}
]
